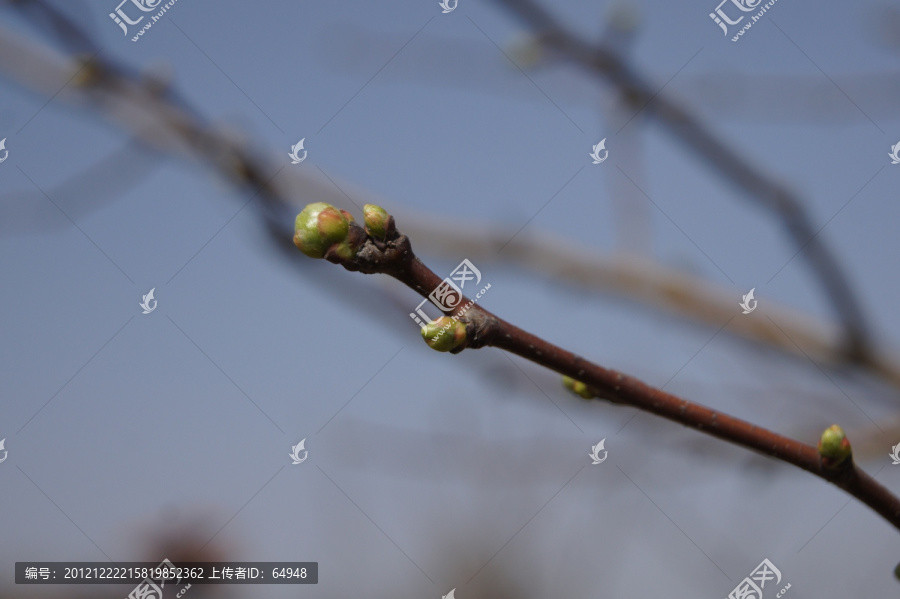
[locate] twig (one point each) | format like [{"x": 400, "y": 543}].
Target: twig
[
  {"x": 323, "y": 231},
  {"x": 650, "y": 283}
]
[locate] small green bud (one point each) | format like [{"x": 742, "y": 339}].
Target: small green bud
[
  {"x": 319, "y": 227},
  {"x": 444, "y": 334},
  {"x": 377, "y": 221},
  {"x": 834, "y": 447},
  {"x": 577, "y": 387}
]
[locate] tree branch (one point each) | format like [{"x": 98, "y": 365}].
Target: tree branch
[
  {"x": 648, "y": 282},
  {"x": 322, "y": 231}
]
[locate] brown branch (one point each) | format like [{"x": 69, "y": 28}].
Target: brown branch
[
  {"x": 380, "y": 248},
  {"x": 694, "y": 134}
]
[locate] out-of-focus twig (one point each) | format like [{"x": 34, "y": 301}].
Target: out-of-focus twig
[
  {"x": 86, "y": 192},
  {"x": 159, "y": 118},
  {"x": 737, "y": 96},
  {"x": 696, "y": 135}
]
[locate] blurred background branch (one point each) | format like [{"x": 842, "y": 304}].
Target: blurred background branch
[
  {"x": 606, "y": 62},
  {"x": 153, "y": 112}
]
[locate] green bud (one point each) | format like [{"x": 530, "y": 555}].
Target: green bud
[
  {"x": 319, "y": 227},
  {"x": 577, "y": 387},
  {"x": 377, "y": 221},
  {"x": 834, "y": 447},
  {"x": 444, "y": 334}
]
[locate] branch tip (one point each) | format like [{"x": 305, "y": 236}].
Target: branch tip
[
  {"x": 834, "y": 447},
  {"x": 323, "y": 231},
  {"x": 379, "y": 224}
]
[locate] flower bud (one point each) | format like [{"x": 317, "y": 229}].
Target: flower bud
[
  {"x": 834, "y": 447},
  {"x": 577, "y": 387},
  {"x": 378, "y": 221},
  {"x": 444, "y": 334},
  {"x": 321, "y": 226}
]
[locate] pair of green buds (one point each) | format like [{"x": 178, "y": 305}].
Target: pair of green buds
[{"x": 323, "y": 231}]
